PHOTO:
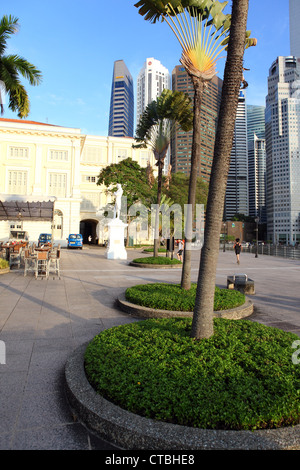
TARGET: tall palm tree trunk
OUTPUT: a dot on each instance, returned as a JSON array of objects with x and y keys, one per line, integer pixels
[
  {"x": 159, "y": 186},
  {"x": 202, "y": 325},
  {"x": 199, "y": 87}
]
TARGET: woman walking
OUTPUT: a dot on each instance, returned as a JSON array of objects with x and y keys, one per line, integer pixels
[{"x": 237, "y": 248}]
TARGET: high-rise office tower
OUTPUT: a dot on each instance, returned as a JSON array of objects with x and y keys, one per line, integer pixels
[
  {"x": 121, "y": 115},
  {"x": 236, "y": 198},
  {"x": 181, "y": 145},
  {"x": 294, "y": 28},
  {"x": 151, "y": 81},
  {"x": 283, "y": 151},
  {"x": 257, "y": 162}
]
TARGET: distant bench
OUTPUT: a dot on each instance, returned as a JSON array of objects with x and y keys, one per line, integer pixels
[{"x": 242, "y": 283}]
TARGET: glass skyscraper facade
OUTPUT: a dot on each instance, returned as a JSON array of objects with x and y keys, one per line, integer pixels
[
  {"x": 283, "y": 151},
  {"x": 121, "y": 116},
  {"x": 236, "y": 198},
  {"x": 181, "y": 144},
  {"x": 257, "y": 162},
  {"x": 294, "y": 10}
]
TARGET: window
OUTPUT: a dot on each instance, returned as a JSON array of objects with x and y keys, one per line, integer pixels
[
  {"x": 121, "y": 154},
  {"x": 92, "y": 155},
  {"x": 19, "y": 152},
  {"x": 144, "y": 158},
  {"x": 58, "y": 155},
  {"x": 57, "y": 184},
  {"x": 89, "y": 179},
  {"x": 17, "y": 182}
]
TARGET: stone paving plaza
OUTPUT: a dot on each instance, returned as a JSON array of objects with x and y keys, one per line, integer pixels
[{"x": 43, "y": 321}]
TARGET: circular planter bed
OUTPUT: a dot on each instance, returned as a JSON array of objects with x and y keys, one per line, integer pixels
[
  {"x": 138, "y": 311},
  {"x": 4, "y": 270},
  {"x": 149, "y": 385},
  {"x": 242, "y": 378},
  {"x": 156, "y": 262},
  {"x": 131, "y": 431},
  {"x": 161, "y": 300},
  {"x": 150, "y": 250}
]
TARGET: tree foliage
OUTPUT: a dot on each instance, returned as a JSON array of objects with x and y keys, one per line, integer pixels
[
  {"x": 179, "y": 189},
  {"x": 133, "y": 179},
  {"x": 156, "y": 122},
  {"x": 13, "y": 66}
]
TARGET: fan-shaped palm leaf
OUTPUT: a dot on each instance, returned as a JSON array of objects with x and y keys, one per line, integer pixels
[{"x": 12, "y": 67}]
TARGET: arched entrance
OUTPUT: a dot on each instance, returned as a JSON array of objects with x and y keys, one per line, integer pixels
[{"x": 89, "y": 227}]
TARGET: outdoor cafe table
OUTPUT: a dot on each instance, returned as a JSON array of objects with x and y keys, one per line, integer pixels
[{"x": 8, "y": 248}]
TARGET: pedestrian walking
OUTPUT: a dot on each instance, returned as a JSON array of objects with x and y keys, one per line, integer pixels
[
  {"x": 90, "y": 239},
  {"x": 237, "y": 248},
  {"x": 180, "y": 250}
]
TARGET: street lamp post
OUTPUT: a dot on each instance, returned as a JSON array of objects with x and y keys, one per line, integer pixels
[
  {"x": 256, "y": 229},
  {"x": 224, "y": 235}
]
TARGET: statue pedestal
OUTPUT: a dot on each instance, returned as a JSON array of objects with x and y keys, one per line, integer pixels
[{"x": 116, "y": 248}]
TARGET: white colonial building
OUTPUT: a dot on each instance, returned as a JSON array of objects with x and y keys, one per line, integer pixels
[{"x": 44, "y": 166}]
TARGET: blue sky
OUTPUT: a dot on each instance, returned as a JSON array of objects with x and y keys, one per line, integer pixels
[{"x": 75, "y": 44}]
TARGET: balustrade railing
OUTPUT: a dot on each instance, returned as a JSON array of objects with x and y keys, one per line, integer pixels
[{"x": 283, "y": 251}]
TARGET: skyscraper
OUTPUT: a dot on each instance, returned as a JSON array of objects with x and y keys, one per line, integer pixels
[
  {"x": 236, "y": 198},
  {"x": 294, "y": 28},
  {"x": 152, "y": 80},
  {"x": 181, "y": 145},
  {"x": 257, "y": 162},
  {"x": 283, "y": 151},
  {"x": 121, "y": 115}
]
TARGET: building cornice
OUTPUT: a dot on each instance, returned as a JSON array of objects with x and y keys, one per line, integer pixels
[{"x": 41, "y": 133}]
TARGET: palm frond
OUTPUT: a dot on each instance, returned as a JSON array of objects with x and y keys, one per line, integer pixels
[
  {"x": 157, "y": 122},
  {"x": 19, "y": 101},
  {"x": 25, "y": 68},
  {"x": 201, "y": 48},
  {"x": 12, "y": 67},
  {"x": 8, "y": 25}
]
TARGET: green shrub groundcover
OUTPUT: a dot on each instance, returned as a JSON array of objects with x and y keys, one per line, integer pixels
[
  {"x": 156, "y": 260},
  {"x": 3, "y": 264},
  {"x": 241, "y": 378},
  {"x": 172, "y": 297}
]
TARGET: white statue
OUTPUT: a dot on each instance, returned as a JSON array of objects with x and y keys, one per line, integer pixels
[{"x": 118, "y": 194}]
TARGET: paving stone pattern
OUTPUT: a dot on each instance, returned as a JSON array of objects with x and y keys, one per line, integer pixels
[{"x": 43, "y": 321}]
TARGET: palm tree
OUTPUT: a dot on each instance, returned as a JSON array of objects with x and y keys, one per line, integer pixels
[
  {"x": 154, "y": 130},
  {"x": 201, "y": 47},
  {"x": 12, "y": 67},
  {"x": 202, "y": 326},
  {"x": 202, "y": 30},
  {"x": 199, "y": 58}
]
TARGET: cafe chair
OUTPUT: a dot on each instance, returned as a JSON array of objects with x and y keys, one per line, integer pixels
[
  {"x": 29, "y": 262},
  {"x": 42, "y": 264},
  {"x": 54, "y": 259},
  {"x": 15, "y": 256}
]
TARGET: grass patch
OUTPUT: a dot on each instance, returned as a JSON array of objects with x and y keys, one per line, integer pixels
[
  {"x": 4, "y": 263},
  {"x": 241, "y": 378},
  {"x": 171, "y": 297},
  {"x": 156, "y": 260},
  {"x": 160, "y": 250}
]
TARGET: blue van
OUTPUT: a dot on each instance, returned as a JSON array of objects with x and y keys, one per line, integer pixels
[
  {"x": 75, "y": 240},
  {"x": 45, "y": 239}
]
